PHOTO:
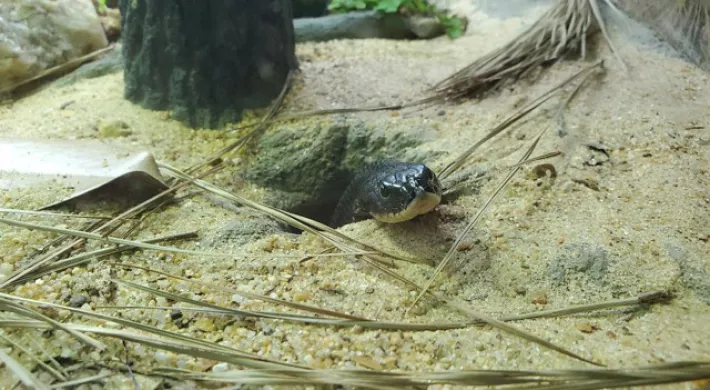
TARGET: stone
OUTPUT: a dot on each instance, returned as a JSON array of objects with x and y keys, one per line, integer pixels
[
  {"x": 425, "y": 27},
  {"x": 111, "y": 62},
  {"x": 539, "y": 297},
  {"x": 111, "y": 22},
  {"x": 40, "y": 34},
  {"x": 352, "y": 25},
  {"x": 78, "y": 300},
  {"x": 114, "y": 129},
  {"x": 307, "y": 167}
]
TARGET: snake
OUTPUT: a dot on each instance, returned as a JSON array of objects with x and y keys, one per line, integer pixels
[{"x": 388, "y": 191}]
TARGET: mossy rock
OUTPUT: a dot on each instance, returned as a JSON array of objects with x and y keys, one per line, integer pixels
[{"x": 306, "y": 167}]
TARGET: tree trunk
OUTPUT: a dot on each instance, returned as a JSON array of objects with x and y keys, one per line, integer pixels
[{"x": 206, "y": 60}]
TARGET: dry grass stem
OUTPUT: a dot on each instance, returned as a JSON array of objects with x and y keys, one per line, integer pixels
[
  {"x": 562, "y": 30},
  {"x": 517, "y": 116}
]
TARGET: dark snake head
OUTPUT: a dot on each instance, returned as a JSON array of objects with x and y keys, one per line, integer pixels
[{"x": 402, "y": 191}]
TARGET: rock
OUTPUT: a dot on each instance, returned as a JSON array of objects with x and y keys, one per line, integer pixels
[
  {"x": 575, "y": 260},
  {"x": 40, "y": 34},
  {"x": 110, "y": 18},
  {"x": 299, "y": 163},
  {"x": 109, "y": 63},
  {"x": 302, "y": 296},
  {"x": 586, "y": 327},
  {"x": 307, "y": 167},
  {"x": 538, "y": 297},
  {"x": 5, "y": 270},
  {"x": 352, "y": 25},
  {"x": 111, "y": 22},
  {"x": 114, "y": 129},
  {"x": 366, "y": 25},
  {"x": 78, "y": 300},
  {"x": 425, "y": 27}
]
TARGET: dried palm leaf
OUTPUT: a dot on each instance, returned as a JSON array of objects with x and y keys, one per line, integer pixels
[
  {"x": 553, "y": 379},
  {"x": 562, "y": 30},
  {"x": 683, "y": 24},
  {"x": 22, "y": 373}
]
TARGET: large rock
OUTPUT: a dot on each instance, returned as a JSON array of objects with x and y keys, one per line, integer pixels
[
  {"x": 307, "y": 166},
  {"x": 366, "y": 25},
  {"x": 39, "y": 34}
]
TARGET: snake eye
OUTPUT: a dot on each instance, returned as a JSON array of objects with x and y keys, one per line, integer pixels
[
  {"x": 434, "y": 185},
  {"x": 385, "y": 191}
]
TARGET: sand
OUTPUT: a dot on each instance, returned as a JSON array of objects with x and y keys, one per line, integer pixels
[{"x": 611, "y": 225}]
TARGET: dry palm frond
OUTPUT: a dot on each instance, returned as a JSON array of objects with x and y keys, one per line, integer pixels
[
  {"x": 8, "y": 303},
  {"x": 86, "y": 257},
  {"x": 520, "y": 114},
  {"x": 104, "y": 228},
  {"x": 557, "y": 379},
  {"x": 113, "y": 240},
  {"x": 335, "y": 238},
  {"x": 54, "y": 372},
  {"x": 272, "y": 373},
  {"x": 77, "y": 382},
  {"x": 458, "y": 162},
  {"x": 325, "y": 232},
  {"x": 27, "y": 272},
  {"x": 247, "y": 295},
  {"x": 52, "y": 214},
  {"x": 350, "y": 320},
  {"x": 159, "y": 338},
  {"x": 22, "y": 373},
  {"x": 562, "y": 30},
  {"x": 683, "y": 24},
  {"x": 464, "y": 234}
]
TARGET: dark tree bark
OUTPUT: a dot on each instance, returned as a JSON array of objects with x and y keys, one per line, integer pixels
[{"x": 206, "y": 60}]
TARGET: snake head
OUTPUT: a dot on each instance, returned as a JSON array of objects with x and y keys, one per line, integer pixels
[{"x": 404, "y": 193}]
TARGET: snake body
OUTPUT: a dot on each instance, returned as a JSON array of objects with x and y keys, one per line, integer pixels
[{"x": 389, "y": 191}]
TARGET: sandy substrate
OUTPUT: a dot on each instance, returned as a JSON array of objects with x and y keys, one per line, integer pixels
[{"x": 609, "y": 226}]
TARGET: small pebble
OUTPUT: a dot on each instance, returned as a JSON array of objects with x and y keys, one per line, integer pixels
[
  {"x": 220, "y": 367},
  {"x": 205, "y": 325},
  {"x": 78, "y": 300},
  {"x": 5, "y": 270},
  {"x": 301, "y": 296},
  {"x": 114, "y": 129},
  {"x": 464, "y": 246},
  {"x": 367, "y": 362},
  {"x": 586, "y": 327},
  {"x": 538, "y": 297},
  {"x": 588, "y": 182}
]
